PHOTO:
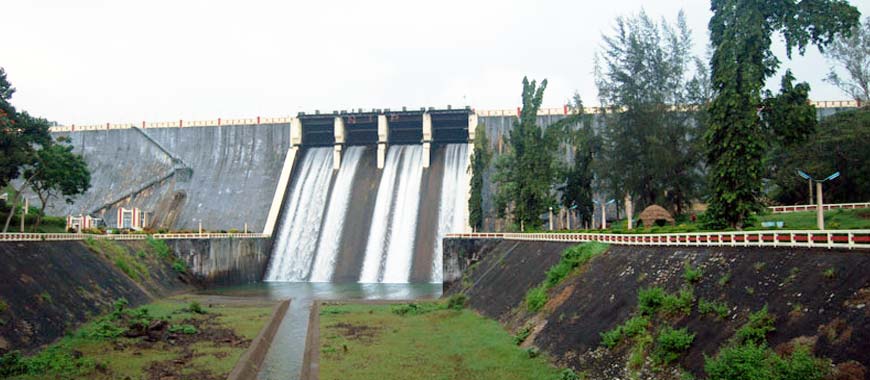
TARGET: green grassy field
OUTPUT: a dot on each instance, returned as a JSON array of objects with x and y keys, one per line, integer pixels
[
  {"x": 223, "y": 333},
  {"x": 366, "y": 341}
]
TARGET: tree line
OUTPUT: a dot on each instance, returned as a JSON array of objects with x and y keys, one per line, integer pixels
[{"x": 674, "y": 129}]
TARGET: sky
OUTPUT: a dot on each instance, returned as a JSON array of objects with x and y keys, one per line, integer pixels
[{"x": 94, "y": 61}]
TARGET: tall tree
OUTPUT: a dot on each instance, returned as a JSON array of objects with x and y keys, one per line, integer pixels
[
  {"x": 57, "y": 171},
  {"x": 526, "y": 173},
  {"x": 479, "y": 165},
  {"x": 741, "y": 33},
  {"x": 579, "y": 136},
  {"x": 19, "y": 133},
  {"x": 650, "y": 135},
  {"x": 853, "y": 55}
]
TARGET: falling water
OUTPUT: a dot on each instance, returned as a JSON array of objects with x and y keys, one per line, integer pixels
[
  {"x": 390, "y": 247},
  {"x": 333, "y": 224},
  {"x": 303, "y": 214},
  {"x": 453, "y": 206}
]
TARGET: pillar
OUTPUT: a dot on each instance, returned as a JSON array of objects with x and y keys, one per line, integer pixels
[
  {"x": 472, "y": 126},
  {"x": 339, "y": 132},
  {"x": 629, "y": 211},
  {"x": 551, "y": 218},
  {"x": 427, "y": 138},
  {"x": 295, "y": 132},
  {"x": 383, "y": 139},
  {"x": 820, "y": 212}
]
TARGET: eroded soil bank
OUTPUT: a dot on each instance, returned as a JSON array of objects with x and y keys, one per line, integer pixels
[{"x": 819, "y": 297}]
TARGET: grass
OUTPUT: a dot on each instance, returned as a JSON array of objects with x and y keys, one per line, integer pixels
[
  {"x": 105, "y": 358},
  {"x": 572, "y": 258},
  {"x": 365, "y": 341}
]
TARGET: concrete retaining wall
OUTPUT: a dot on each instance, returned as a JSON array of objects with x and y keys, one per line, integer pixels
[{"x": 224, "y": 262}]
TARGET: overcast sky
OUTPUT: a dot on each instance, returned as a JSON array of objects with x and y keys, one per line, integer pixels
[{"x": 92, "y": 61}]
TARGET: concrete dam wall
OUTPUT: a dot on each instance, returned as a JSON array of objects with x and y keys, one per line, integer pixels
[{"x": 818, "y": 297}]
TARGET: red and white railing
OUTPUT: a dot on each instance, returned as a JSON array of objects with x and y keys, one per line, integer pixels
[
  {"x": 851, "y": 239},
  {"x": 170, "y": 236},
  {"x": 832, "y": 206}
]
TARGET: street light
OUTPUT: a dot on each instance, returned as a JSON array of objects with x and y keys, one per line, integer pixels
[
  {"x": 820, "y": 214},
  {"x": 604, "y": 211}
]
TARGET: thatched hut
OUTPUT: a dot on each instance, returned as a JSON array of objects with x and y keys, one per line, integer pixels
[{"x": 655, "y": 214}]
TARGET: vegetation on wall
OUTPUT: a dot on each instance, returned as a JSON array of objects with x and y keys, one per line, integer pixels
[{"x": 479, "y": 165}]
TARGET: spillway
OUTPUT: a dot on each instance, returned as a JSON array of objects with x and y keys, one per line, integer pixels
[{"x": 362, "y": 224}]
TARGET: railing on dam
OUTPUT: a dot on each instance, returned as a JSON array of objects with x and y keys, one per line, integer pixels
[
  {"x": 170, "y": 236},
  {"x": 832, "y": 206},
  {"x": 564, "y": 110},
  {"x": 851, "y": 239}
]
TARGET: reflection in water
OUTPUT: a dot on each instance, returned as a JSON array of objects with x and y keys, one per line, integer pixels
[{"x": 284, "y": 359}]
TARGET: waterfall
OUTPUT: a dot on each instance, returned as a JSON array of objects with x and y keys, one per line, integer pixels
[
  {"x": 390, "y": 247},
  {"x": 303, "y": 213},
  {"x": 453, "y": 206},
  {"x": 333, "y": 224}
]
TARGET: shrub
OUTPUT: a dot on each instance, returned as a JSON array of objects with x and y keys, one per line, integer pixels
[
  {"x": 611, "y": 338},
  {"x": 633, "y": 327},
  {"x": 724, "y": 279},
  {"x": 184, "y": 329},
  {"x": 415, "y": 309},
  {"x": 680, "y": 303},
  {"x": 671, "y": 342},
  {"x": 748, "y": 361},
  {"x": 649, "y": 300},
  {"x": 533, "y": 352},
  {"x": 568, "y": 374},
  {"x": 573, "y": 257},
  {"x": 159, "y": 246},
  {"x": 196, "y": 308},
  {"x": 104, "y": 329},
  {"x": 719, "y": 309},
  {"x": 691, "y": 275},
  {"x": 179, "y": 266},
  {"x": 456, "y": 302},
  {"x": 44, "y": 297},
  {"x": 536, "y": 298},
  {"x": 522, "y": 335},
  {"x": 756, "y": 329},
  {"x": 3, "y": 306},
  {"x": 829, "y": 273},
  {"x": 802, "y": 365}
]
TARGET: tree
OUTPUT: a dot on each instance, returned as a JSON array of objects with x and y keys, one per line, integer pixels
[
  {"x": 479, "y": 165},
  {"x": 580, "y": 137},
  {"x": 741, "y": 33},
  {"x": 853, "y": 54},
  {"x": 838, "y": 144},
  {"x": 651, "y": 137},
  {"x": 57, "y": 171},
  {"x": 526, "y": 173},
  {"x": 18, "y": 135}
]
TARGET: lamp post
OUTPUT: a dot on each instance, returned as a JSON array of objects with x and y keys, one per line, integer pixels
[
  {"x": 820, "y": 212},
  {"x": 604, "y": 211}
]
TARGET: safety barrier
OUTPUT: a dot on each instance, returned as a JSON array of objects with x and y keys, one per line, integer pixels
[
  {"x": 170, "y": 236},
  {"x": 851, "y": 239},
  {"x": 832, "y": 206}
]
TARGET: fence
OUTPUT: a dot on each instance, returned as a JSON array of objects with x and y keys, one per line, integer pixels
[
  {"x": 851, "y": 239},
  {"x": 795, "y": 208},
  {"x": 72, "y": 237}
]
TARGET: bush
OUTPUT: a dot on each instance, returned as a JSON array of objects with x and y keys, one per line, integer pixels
[
  {"x": 568, "y": 374},
  {"x": 691, "y": 275},
  {"x": 456, "y": 302},
  {"x": 649, "y": 300},
  {"x": 750, "y": 361},
  {"x": 536, "y": 298},
  {"x": 183, "y": 329},
  {"x": 522, "y": 335},
  {"x": 415, "y": 309},
  {"x": 55, "y": 360},
  {"x": 573, "y": 257},
  {"x": 670, "y": 343},
  {"x": 104, "y": 329},
  {"x": 680, "y": 303},
  {"x": 3, "y": 306},
  {"x": 633, "y": 327},
  {"x": 179, "y": 266},
  {"x": 719, "y": 309},
  {"x": 802, "y": 365},
  {"x": 756, "y": 329},
  {"x": 159, "y": 246},
  {"x": 196, "y": 308}
]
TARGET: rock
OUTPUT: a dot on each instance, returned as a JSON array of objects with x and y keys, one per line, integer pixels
[{"x": 158, "y": 325}]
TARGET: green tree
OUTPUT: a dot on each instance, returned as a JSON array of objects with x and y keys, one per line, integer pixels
[
  {"x": 479, "y": 165},
  {"x": 838, "y": 144},
  {"x": 57, "y": 171},
  {"x": 579, "y": 135},
  {"x": 741, "y": 33},
  {"x": 526, "y": 173},
  {"x": 651, "y": 136},
  {"x": 853, "y": 55},
  {"x": 19, "y": 133}
]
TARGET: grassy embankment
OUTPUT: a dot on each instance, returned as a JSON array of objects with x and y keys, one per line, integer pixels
[
  {"x": 171, "y": 338},
  {"x": 429, "y": 340}
]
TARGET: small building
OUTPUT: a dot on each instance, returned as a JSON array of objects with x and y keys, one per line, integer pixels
[
  {"x": 81, "y": 222},
  {"x": 130, "y": 218}
]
